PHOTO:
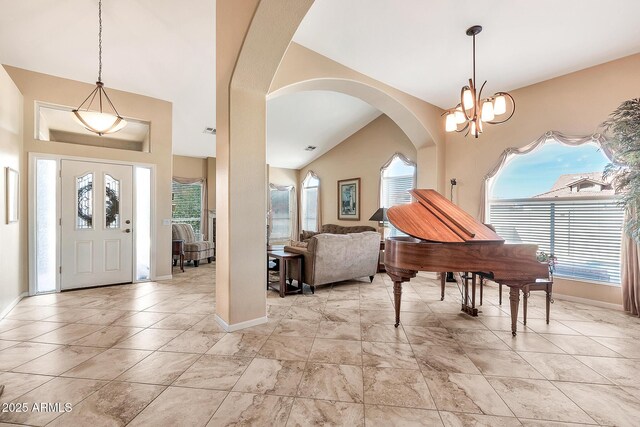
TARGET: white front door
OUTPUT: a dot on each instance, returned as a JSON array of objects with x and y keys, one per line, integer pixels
[{"x": 97, "y": 229}]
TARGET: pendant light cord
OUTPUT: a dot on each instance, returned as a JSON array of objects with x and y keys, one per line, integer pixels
[{"x": 100, "y": 40}]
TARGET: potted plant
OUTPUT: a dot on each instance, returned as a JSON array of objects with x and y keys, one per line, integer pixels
[{"x": 623, "y": 130}]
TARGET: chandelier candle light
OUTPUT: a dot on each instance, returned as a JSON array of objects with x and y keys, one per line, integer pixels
[
  {"x": 99, "y": 122},
  {"x": 473, "y": 111}
]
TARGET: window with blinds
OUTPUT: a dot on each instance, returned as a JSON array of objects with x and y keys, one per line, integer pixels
[
  {"x": 584, "y": 235},
  {"x": 186, "y": 204},
  {"x": 280, "y": 218},
  {"x": 397, "y": 177},
  {"x": 309, "y": 198}
]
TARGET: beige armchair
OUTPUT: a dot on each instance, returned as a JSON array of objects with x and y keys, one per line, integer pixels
[
  {"x": 194, "y": 249},
  {"x": 330, "y": 258}
]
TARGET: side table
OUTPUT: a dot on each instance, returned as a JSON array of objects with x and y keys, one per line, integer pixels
[
  {"x": 283, "y": 260},
  {"x": 177, "y": 250}
]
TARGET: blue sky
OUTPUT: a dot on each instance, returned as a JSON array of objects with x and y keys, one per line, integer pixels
[{"x": 535, "y": 173}]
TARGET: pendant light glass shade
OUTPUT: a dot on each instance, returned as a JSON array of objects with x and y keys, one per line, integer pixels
[
  {"x": 487, "y": 111},
  {"x": 100, "y": 123},
  {"x": 500, "y": 105},
  {"x": 467, "y": 98},
  {"x": 460, "y": 118},
  {"x": 451, "y": 124}
]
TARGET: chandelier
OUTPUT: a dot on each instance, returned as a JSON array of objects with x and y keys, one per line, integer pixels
[
  {"x": 99, "y": 122},
  {"x": 473, "y": 111}
]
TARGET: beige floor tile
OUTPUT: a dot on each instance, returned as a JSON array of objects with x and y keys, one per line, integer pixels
[
  {"x": 341, "y": 315},
  {"x": 59, "y": 361},
  {"x": 286, "y": 348},
  {"x": 239, "y": 345},
  {"x": 67, "y": 334},
  {"x": 396, "y": 387},
  {"x": 313, "y": 314},
  {"x": 562, "y": 367},
  {"x": 9, "y": 324},
  {"x": 116, "y": 404},
  {"x": 383, "y": 333},
  {"x": 620, "y": 371},
  {"x": 627, "y": 347},
  {"x": 149, "y": 339},
  {"x": 178, "y": 406},
  {"x": 384, "y": 317},
  {"x": 107, "y": 365},
  {"x": 430, "y": 336},
  {"x": 464, "y": 321},
  {"x": 270, "y": 376},
  {"x": 59, "y": 392},
  {"x": 213, "y": 372},
  {"x": 193, "y": 342},
  {"x": 245, "y": 409},
  {"x": 7, "y": 344},
  {"x": 386, "y": 416},
  {"x": 443, "y": 359},
  {"x": 528, "y": 341},
  {"x": 22, "y": 353},
  {"x": 105, "y": 317},
  {"x": 332, "y": 382},
  {"x": 388, "y": 355},
  {"x": 178, "y": 321},
  {"x": 34, "y": 313},
  {"x": 30, "y": 330},
  {"x": 108, "y": 336},
  {"x": 502, "y": 363},
  {"x": 554, "y": 327},
  {"x": 307, "y": 412},
  {"x": 16, "y": 384},
  {"x": 159, "y": 368},
  {"x": 72, "y": 315},
  {"x": 141, "y": 319},
  {"x": 581, "y": 345},
  {"x": 428, "y": 319},
  {"x": 345, "y": 352},
  {"x": 208, "y": 324},
  {"x": 608, "y": 405},
  {"x": 478, "y": 339},
  {"x": 296, "y": 328},
  {"x": 538, "y": 399},
  {"x": 451, "y": 419},
  {"x": 339, "y": 330},
  {"x": 465, "y": 393}
]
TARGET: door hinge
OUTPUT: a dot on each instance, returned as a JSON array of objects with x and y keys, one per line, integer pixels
[
  {"x": 60, "y": 269},
  {"x": 60, "y": 221}
]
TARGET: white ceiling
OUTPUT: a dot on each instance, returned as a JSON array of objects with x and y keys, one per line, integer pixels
[
  {"x": 319, "y": 118},
  {"x": 159, "y": 48},
  {"x": 420, "y": 46}
]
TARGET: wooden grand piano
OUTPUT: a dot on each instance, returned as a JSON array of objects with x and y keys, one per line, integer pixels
[{"x": 446, "y": 238}]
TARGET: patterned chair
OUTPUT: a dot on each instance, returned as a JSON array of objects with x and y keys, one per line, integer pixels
[{"x": 194, "y": 250}]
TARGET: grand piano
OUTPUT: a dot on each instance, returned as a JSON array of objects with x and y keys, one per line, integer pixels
[{"x": 445, "y": 238}]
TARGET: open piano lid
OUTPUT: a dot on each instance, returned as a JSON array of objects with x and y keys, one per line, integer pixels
[{"x": 434, "y": 218}]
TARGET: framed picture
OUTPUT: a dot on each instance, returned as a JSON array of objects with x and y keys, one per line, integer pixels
[
  {"x": 12, "y": 191},
  {"x": 349, "y": 199}
]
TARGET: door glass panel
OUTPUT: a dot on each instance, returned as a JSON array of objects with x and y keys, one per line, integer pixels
[
  {"x": 46, "y": 225},
  {"x": 143, "y": 223},
  {"x": 111, "y": 202},
  {"x": 84, "y": 214}
]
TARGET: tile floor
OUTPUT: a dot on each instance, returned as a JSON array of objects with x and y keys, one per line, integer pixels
[{"x": 152, "y": 354}]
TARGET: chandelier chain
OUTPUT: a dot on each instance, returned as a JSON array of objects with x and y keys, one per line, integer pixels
[{"x": 100, "y": 40}]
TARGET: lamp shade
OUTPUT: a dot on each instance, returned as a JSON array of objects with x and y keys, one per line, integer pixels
[{"x": 380, "y": 215}]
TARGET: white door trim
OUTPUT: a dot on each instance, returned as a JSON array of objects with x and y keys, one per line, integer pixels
[{"x": 31, "y": 200}]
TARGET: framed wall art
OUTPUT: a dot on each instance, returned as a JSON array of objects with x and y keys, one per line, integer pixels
[
  {"x": 349, "y": 199},
  {"x": 12, "y": 190}
]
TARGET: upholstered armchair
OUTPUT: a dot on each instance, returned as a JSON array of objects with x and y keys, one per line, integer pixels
[
  {"x": 194, "y": 249},
  {"x": 330, "y": 258}
]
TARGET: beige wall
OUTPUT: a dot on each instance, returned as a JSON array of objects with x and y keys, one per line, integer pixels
[
  {"x": 13, "y": 236},
  {"x": 282, "y": 176},
  {"x": 359, "y": 156},
  {"x": 574, "y": 104},
  {"x": 42, "y": 87}
]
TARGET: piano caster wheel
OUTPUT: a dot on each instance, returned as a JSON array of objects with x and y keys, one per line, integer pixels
[
  {"x": 396, "y": 325},
  {"x": 514, "y": 334}
]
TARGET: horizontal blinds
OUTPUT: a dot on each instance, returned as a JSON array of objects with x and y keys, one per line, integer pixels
[
  {"x": 585, "y": 236},
  {"x": 395, "y": 190},
  {"x": 280, "y": 215},
  {"x": 310, "y": 208},
  {"x": 187, "y": 204}
]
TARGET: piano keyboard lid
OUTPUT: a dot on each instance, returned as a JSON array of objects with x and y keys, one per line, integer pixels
[{"x": 434, "y": 218}]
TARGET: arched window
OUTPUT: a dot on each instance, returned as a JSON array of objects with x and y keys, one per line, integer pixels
[
  {"x": 310, "y": 200},
  {"x": 397, "y": 177},
  {"x": 554, "y": 195}
]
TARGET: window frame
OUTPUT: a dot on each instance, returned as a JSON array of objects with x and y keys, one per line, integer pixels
[
  {"x": 303, "y": 195},
  {"x": 414, "y": 179},
  {"x": 199, "y": 183}
]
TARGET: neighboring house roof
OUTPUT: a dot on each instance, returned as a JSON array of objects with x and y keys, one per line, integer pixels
[{"x": 564, "y": 183}]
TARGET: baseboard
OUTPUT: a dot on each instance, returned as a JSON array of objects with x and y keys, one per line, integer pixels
[
  {"x": 13, "y": 304},
  {"x": 169, "y": 277},
  {"x": 587, "y": 301},
  {"x": 241, "y": 325}
]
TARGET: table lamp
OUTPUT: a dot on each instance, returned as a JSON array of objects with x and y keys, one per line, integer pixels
[{"x": 381, "y": 216}]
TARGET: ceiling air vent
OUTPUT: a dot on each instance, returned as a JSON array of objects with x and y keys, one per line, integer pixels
[
  {"x": 210, "y": 131},
  {"x": 310, "y": 148}
]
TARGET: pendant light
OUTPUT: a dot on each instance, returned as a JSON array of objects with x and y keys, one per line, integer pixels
[
  {"x": 99, "y": 122},
  {"x": 473, "y": 111}
]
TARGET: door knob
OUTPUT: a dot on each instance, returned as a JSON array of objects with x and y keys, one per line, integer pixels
[{"x": 128, "y": 230}]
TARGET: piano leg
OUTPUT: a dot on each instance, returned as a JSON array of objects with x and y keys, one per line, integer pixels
[
  {"x": 514, "y": 299},
  {"x": 443, "y": 281},
  {"x": 397, "y": 297}
]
